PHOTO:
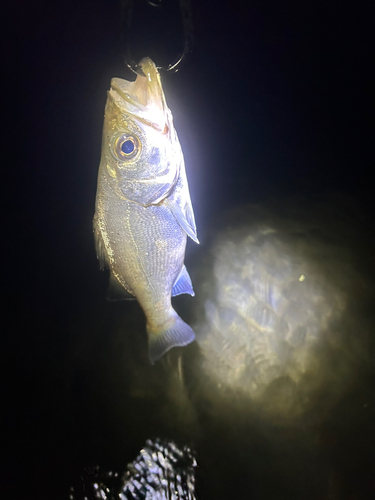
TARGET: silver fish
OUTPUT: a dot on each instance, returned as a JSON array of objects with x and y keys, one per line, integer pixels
[{"x": 143, "y": 208}]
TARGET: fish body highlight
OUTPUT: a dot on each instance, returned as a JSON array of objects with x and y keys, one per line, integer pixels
[{"x": 143, "y": 209}]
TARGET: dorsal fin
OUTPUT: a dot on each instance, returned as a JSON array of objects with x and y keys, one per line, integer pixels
[{"x": 99, "y": 246}]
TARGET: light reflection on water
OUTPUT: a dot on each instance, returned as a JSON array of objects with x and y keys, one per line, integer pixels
[
  {"x": 278, "y": 305},
  {"x": 161, "y": 471},
  {"x": 276, "y": 393}
]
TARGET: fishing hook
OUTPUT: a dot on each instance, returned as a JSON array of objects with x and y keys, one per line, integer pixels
[{"x": 185, "y": 10}]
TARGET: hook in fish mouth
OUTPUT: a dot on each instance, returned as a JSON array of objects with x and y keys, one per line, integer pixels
[
  {"x": 187, "y": 33},
  {"x": 174, "y": 67},
  {"x": 137, "y": 69},
  {"x": 144, "y": 98}
]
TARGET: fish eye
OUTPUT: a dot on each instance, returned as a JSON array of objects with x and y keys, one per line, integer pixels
[{"x": 127, "y": 146}]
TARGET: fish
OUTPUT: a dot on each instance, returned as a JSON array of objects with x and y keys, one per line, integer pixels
[{"x": 143, "y": 211}]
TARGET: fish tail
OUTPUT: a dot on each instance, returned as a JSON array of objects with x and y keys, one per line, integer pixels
[{"x": 176, "y": 333}]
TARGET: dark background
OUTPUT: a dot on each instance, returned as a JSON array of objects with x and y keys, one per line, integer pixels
[{"x": 275, "y": 99}]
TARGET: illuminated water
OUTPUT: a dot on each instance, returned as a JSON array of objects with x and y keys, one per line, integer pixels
[
  {"x": 161, "y": 471},
  {"x": 275, "y": 397}
]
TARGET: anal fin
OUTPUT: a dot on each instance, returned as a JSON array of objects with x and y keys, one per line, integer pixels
[
  {"x": 183, "y": 284},
  {"x": 116, "y": 291}
]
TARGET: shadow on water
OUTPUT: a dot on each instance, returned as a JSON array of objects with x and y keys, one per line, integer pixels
[{"x": 275, "y": 397}]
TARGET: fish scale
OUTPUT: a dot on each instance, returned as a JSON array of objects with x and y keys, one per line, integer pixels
[
  {"x": 143, "y": 208},
  {"x": 137, "y": 263}
]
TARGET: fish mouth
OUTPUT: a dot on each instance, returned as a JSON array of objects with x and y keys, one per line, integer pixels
[{"x": 144, "y": 98}]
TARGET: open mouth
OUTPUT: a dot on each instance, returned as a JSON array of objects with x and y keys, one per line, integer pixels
[{"x": 144, "y": 98}]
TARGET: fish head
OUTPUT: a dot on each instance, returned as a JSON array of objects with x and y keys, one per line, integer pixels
[{"x": 140, "y": 145}]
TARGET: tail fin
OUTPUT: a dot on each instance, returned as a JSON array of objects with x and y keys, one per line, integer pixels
[{"x": 178, "y": 334}]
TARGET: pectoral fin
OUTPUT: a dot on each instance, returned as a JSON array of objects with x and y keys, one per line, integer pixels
[
  {"x": 184, "y": 218},
  {"x": 116, "y": 291},
  {"x": 183, "y": 284}
]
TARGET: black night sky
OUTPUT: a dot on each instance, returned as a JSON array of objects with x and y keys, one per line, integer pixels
[{"x": 274, "y": 102}]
